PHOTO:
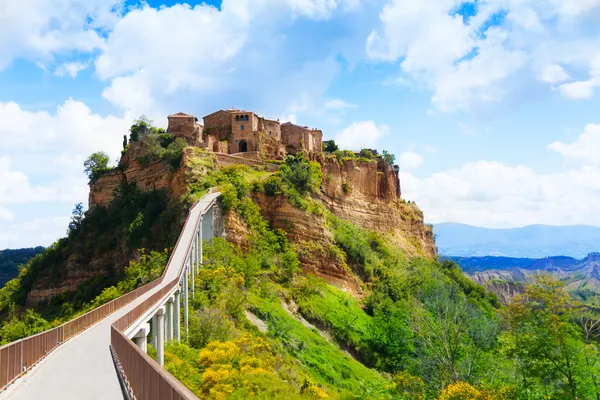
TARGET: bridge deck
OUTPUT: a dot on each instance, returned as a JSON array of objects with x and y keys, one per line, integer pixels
[{"x": 82, "y": 368}]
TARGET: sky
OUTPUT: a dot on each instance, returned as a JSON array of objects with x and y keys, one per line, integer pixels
[{"x": 491, "y": 107}]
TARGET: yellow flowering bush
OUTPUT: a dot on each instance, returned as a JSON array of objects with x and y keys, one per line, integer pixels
[{"x": 463, "y": 391}]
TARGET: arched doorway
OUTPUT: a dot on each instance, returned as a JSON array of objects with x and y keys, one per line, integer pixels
[{"x": 243, "y": 146}]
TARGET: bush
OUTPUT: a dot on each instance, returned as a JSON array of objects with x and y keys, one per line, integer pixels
[
  {"x": 330, "y": 146},
  {"x": 208, "y": 325},
  {"x": 366, "y": 153},
  {"x": 346, "y": 188},
  {"x": 302, "y": 174},
  {"x": 96, "y": 165}
]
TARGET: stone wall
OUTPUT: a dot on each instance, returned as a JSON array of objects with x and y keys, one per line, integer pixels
[
  {"x": 251, "y": 139},
  {"x": 270, "y": 128},
  {"x": 218, "y": 124},
  {"x": 291, "y": 137},
  {"x": 185, "y": 127}
]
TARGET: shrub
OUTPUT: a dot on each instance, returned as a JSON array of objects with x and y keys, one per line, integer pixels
[
  {"x": 302, "y": 174},
  {"x": 330, "y": 146},
  {"x": 346, "y": 188},
  {"x": 96, "y": 165},
  {"x": 273, "y": 185},
  {"x": 366, "y": 153}
]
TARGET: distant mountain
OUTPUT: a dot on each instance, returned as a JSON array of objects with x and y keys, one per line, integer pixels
[
  {"x": 11, "y": 259},
  {"x": 533, "y": 241},
  {"x": 507, "y": 276}
]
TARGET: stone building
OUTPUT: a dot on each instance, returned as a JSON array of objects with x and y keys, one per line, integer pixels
[
  {"x": 185, "y": 126},
  {"x": 236, "y": 131},
  {"x": 301, "y": 138}
]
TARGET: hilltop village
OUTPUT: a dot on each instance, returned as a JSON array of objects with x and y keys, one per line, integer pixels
[{"x": 237, "y": 132}]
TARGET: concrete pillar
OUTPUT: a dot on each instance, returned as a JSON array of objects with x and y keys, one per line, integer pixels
[
  {"x": 160, "y": 349},
  {"x": 153, "y": 331},
  {"x": 185, "y": 303},
  {"x": 177, "y": 317},
  {"x": 141, "y": 338},
  {"x": 192, "y": 268},
  {"x": 200, "y": 240},
  {"x": 169, "y": 333}
]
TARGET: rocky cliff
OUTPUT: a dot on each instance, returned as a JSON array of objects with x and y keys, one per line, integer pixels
[{"x": 364, "y": 192}]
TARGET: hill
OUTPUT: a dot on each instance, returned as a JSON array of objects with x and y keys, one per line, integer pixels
[
  {"x": 534, "y": 241},
  {"x": 326, "y": 283},
  {"x": 507, "y": 276},
  {"x": 10, "y": 260}
]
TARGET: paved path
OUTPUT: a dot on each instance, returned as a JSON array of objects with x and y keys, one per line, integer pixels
[{"x": 82, "y": 368}]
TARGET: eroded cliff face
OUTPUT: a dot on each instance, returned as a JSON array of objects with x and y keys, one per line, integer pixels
[
  {"x": 157, "y": 175},
  {"x": 365, "y": 193},
  {"x": 88, "y": 262},
  {"x": 368, "y": 194}
]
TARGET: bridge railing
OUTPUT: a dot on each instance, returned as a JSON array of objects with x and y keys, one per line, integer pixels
[
  {"x": 144, "y": 378},
  {"x": 18, "y": 357}
]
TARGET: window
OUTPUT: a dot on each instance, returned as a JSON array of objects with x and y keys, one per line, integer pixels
[
  {"x": 237, "y": 117},
  {"x": 245, "y": 118},
  {"x": 242, "y": 127}
]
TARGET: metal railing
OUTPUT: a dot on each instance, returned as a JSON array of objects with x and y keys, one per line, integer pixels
[
  {"x": 143, "y": 377},
  {"x": 18, "y": 357}
]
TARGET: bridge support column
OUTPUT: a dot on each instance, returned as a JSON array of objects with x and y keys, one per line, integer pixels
[
  {"x": 185, "y": 303},
  {"x": 160, "y": 348},
  {"x": 141, "y": 338},
  {"x": 177, "y": 317},
  {"x": 169, "y": 319},
  {"x": 192, "y": 268},
  {"x": 153, "y": 331},
  {"x": 200, "y": 241}
]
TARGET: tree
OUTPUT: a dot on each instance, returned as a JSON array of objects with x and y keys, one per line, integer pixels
[
  {"x": 76, "y": 218},
  {"x": 140, "y": 128},
  {"x": 542, "y": 340},
  {"x": 124, "y": 142},
  {"x": 96, "y": 165},
  {"x": 366, "y": 153},
  {"x": 330, "y": 146},
  {"x": 389, "y": 157}
]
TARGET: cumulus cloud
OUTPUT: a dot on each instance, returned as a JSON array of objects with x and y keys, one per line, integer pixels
[
  {"x": 585, "y": 150},
  {"x": 409, "y": 160},
  {"x": 362, "y": 134},
  {"x": 39, "y": 29},
  {"x": 554, "y": 74},
  {"x": 36, "y": 232},
  {"x": 477, "y": 62},
  {"x": 494, "y": 194},
  {"x": 70, "y": 68}
]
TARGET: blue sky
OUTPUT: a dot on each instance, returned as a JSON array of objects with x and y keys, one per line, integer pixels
[{"x": 491, "y": 107}]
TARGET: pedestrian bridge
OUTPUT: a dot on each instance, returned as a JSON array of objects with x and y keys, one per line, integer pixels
[{"x": 102, "y": 354}]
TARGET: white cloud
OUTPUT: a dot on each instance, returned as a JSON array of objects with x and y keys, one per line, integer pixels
[
  {"x": 554, "y": 74},
  {"x": 362, "y": 134},
  {"x": 6, "y": 215},
  {"x": 476, "y": 64},
  {"x": 72, "y": 128},
  {"x": 70, "y": 68},
  {"x": 39, "y": 29},
  {"x": 338, "y": 105},
  {"x": 36, "y": 232},
  {"x": 409, "y": 160},
  {"x": 493, "y": 194},
  {"x": 585, "y": 150},
  {"x": 200, "y": 58}
]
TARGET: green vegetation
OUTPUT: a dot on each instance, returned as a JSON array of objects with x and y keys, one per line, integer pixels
[
  {"x": 12, "y": 260},
  {"x": 134, "y": 220},
  {"x": 388, "y": 157},
  {"x": 96, "y": 165},
  {"x": 162, "y": 147},
  {"x": 330, "y": 146}
]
